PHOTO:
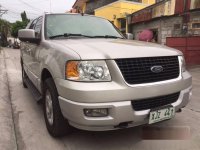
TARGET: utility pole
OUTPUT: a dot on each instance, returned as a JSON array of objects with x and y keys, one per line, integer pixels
[
  {"x": 50, "y": 5},
  {"x": 2, "y": 11}
]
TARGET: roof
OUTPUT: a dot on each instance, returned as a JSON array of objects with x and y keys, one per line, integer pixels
[
  {"x": 124, "y": 1},
  {"x": 79, "y": 3}
]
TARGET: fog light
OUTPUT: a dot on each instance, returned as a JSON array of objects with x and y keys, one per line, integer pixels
[{"x": 96, "y": 112}]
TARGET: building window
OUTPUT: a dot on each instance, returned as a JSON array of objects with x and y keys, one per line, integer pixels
[
  {"x": 157, "y": 1},
  {"x": 155, "y": 35},
  {"x": 139, "y": 1},
  {"x": 196, "y": 25},
  {"x": 177, "y": 26},
  {"x": 123, "y": 25}
]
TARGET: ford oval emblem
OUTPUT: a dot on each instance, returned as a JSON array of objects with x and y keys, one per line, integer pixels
[{"x": 157, "y": 69}]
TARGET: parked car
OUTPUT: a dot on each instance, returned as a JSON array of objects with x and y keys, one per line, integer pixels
[
  {"x": 89, "y": 76},
  {"x": 16, "y": 45}
]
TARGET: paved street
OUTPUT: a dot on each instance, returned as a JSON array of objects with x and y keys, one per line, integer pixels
[{"x": 22, "y": 125}]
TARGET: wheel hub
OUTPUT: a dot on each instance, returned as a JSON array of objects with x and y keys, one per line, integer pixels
[{"x": 49, "y": 107}]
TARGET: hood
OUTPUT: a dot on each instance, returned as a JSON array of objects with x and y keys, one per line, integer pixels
[{"x": 115, "y": 48}]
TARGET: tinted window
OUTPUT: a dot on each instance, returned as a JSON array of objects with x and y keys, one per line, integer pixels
[
  {"x": 38, "y": 27},
  {"x": 33, "y": 24}
]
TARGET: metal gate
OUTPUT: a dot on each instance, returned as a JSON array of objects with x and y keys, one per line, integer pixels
[{"x": 190, "y": 46}]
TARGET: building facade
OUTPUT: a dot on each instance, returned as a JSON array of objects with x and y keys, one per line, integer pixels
[
  {"x": 175, "y": 23},
  {"x": 113, "y": 10},
  {"x": 169, "y": 18}
]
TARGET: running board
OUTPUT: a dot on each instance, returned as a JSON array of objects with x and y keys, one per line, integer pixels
[{"x": 36, "y": 94}]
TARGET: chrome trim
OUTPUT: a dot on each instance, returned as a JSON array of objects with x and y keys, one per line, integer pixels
[
  {"x": 49, "y": 108},
  {"x": 154, "y": 83},
  {"x": 157, "y": 69}
]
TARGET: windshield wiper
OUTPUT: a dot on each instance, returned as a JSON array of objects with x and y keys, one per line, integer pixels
[
  {"x": 81, "y": 35},
  {"x": 68, "y": 35},
  {"x": 107, "y": 36}
]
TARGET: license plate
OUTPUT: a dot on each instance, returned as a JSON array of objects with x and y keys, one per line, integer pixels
[{"x": 161, "y": 114}]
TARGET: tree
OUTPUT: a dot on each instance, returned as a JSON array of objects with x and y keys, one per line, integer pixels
[
  {"x": 4, "y": 31},
  {"x": 19, "y": 25},
  {"x": 24, "y": 17},
  {"x": 16, "y": 27}
]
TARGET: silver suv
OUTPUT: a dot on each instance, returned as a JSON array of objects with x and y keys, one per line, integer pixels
[{"x": 89, "y": 76}]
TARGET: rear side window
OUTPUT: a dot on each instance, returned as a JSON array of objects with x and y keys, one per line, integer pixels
[
  {"x": 38, "y": 27},
  {"x": 33, "y": 24}
]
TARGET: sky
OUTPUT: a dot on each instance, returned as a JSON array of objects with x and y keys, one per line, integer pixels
[{"x": 33, "y": 8}]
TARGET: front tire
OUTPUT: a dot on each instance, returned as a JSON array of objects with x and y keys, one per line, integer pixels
[{"x": 56, "y": 124}]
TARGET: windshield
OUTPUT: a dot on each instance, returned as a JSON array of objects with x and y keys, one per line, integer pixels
[{"x": 90, "y": 26}]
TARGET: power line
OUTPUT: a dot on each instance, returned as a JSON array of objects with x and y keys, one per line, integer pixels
[
  {"x": 15, "y": 17},
  {"x": 15, "y": 12},
  {"x": 36, "y": 9},
  {"x": 2, "y": 11},
  {"x": 39, "y": 1}
]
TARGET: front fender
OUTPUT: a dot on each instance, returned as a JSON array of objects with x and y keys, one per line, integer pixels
[{"x": 53, "y": 57}]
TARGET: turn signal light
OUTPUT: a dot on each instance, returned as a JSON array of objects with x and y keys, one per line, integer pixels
[{"x": 72, "y": 70}]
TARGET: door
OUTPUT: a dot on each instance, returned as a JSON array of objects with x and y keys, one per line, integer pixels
[
  {"x": 26, "y": 50},
  {"x": 34, "y": 63}
]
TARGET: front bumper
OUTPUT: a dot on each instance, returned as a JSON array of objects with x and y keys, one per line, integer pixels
[
  {"x": 116, "y": 95},
  {"x": 119, "y": 113}
]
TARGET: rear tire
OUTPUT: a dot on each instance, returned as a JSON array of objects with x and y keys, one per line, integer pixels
[
  {"x": 24, "y": 75},
  {"x": 56, "y": 124}
]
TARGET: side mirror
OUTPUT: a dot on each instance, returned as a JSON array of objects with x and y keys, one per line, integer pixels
[
  {"x": 129, "y": 36},
  {"x": 28, "y": 35}
]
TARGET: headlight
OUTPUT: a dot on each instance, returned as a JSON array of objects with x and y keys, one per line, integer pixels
[
  {"x": 87, "y": 71},
  {"x": 183, "y": 65}
]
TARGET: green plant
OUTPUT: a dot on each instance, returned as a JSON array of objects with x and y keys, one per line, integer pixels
[
  {"x": 19, "y": 25},
  {"x": 4, "y": 31}
]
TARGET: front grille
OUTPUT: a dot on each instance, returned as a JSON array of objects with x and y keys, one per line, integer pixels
[
  {"x": 138, "y": 70},
  {"x": 155, "y": 102}
]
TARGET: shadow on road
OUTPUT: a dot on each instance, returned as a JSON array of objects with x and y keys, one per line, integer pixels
[{"x": 118, "y": 139}]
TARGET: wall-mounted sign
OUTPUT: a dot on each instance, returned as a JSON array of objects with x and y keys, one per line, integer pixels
[
  {"x": 195, "y": 4},
  {"x": 158, "y": 11},
  {"x": 145, "y": 15},
  {"x": 165, "y": 9}
]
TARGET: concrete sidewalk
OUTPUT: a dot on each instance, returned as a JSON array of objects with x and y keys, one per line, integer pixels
[{"x": 7, "y": 131}]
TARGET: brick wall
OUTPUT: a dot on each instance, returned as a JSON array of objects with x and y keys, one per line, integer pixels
[
  {"x": 171, "y": 27},
  {"x": 166, "y": 27}
]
